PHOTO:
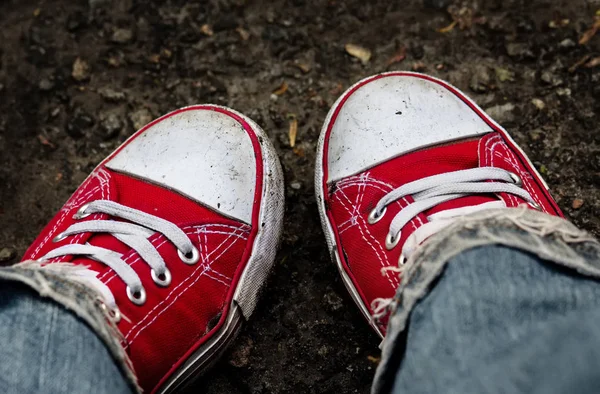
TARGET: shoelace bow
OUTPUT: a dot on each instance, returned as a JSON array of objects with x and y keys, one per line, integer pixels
[
  {"x": 135, "y": 234},
  {"x": 431, "y": 191}
]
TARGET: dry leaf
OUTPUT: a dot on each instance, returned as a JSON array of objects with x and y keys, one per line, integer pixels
[
  {"x": 593, "y": 63},
  {"x": 298, "y": 151},
  {"x": 304, "y": 67},
  {"x": 293, "y": 131},
  {"x": 555, "y": 24},
  {"x": 579, "y": 63},
  {"x": 363, "y": 54},
  {"x": 80, "y": 70},
  {"x": 44, "y": 141},
  {"x": 419, "y": 66},
  {"x": 244, "y": 34},
  {"x": 398, "y": 57},
  {"x": 207, "y": 30},
  {"x": 281, "y": 89},
  {"x": 591, "y": 32},
  {"x": 448, "y": 28},
  {"x": 154, "y": 58}
]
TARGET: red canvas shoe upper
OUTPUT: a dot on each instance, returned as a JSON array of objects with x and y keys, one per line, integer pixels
[
  {"x": 409, "y": 132},
  {"x": 178, "y": 206}
]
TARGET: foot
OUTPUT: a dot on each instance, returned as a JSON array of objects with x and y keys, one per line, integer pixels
[
  {"x": 177, "y": 231},
  {"x": 401, "y": 155}
]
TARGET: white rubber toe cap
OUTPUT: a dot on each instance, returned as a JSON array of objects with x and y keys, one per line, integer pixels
[
  {"x": 391, "y": 114},
  {"x": 201, "y": 153}
]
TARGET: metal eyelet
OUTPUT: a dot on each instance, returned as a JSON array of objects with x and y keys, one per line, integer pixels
[
  {"x": 80, "y": 214},
  {"x": 163, "y": 279},
  {"x": 535, "y": 205},
  {"x": 401, "y": 259},
  {"x": 516, "y": 179},
  {"x": 114, "y": 315},
  {"x": 138, "y": 297},
  {"x": 190, "y": 260},
  {"x": 374, "y": 217},
  {"x": 59, "y": 237},
  {"x": 391, "y": 241}
]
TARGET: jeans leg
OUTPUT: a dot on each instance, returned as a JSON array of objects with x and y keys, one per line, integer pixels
[
  {"x": 502, "y": 321},
  {"x": 46, "y": 349},
  {"x": 504, "y": 301}
]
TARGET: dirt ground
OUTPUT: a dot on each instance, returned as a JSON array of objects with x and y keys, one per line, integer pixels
[{"x": 78, "y": 77}]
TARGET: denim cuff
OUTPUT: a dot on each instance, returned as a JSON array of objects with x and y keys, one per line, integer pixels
[
  {"x": 551, "y": 238},
  {"x": 78, "y": 299}
]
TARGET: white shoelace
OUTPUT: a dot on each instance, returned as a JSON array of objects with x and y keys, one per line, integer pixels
[
  {"x": 135, "y": 234},
  {"x": 431, "y": 191}
]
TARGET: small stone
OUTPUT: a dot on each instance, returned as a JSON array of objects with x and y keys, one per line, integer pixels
[
  {"x": 111, "y": 94},
  {"x": 121, "y": 36},
  {"x": 46, "y": 85},
  {"x": 567, "y": 43},
  {"x": 504, "y": 74},
  {"x": 7, "y": 254},
  {"x": 81, "y": 70},
  {"x": 536, "y": 134},
  {"x": 551, "y": 78},
  {"x": 563, "y": 92},
  {"x": 111, "y": 124},
  {"x": 140, "y": 118},
  {"x": 296, "y": 185},
  {"x": 480, "y": 80},
  {"x": 577, "y": 203},
  {"x": 539, "y": 104},
  {"x": 502, "y": 113},
  {"x": 519, "y": 50}
]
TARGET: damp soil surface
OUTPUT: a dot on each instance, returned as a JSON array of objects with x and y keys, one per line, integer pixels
[{"x": 78, "y": 77}]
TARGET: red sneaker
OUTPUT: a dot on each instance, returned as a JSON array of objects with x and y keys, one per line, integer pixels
[
  {"x": 177, "y": 229},
  {"x": 400, "y": 156}
]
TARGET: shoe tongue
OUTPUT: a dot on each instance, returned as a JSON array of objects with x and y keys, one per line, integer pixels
[
  {"x": 149, "y": 198},
  {"x": 462, "y": 155}
]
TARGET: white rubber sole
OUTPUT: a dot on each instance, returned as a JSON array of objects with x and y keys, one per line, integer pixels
[
  {"x": 255, "y": 273},
  {"x": 319, "y": 192}
]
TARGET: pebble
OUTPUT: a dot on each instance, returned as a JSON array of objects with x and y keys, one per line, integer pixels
[
  {"x": 140, "y": 118},
  {"x": 46, "y": 85},
  {"x": 296, "y": 185},
  {"x": 551, "y": 78},
  {"x": 519, "y": 50},
  {"x": 480, "y": 80},
  {"x": 111, "y": 94},
  {"x": 502, "y": 113},
  {"x": 566, "y": 92},
  {"x": 7, "y": 254},
  {"x": 81, "y": 70},
  {"x": 121, "y": 36},
  {"x": 111, "y": 124},
  {"x": 567, "y": 43},
  {"x": 536, "y": 134},
  {"x": 539, "y": 104},
  {"x": 577, "y": 203}
]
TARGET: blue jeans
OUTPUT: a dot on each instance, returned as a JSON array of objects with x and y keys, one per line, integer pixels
[{"x": 500, "y": 302}]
